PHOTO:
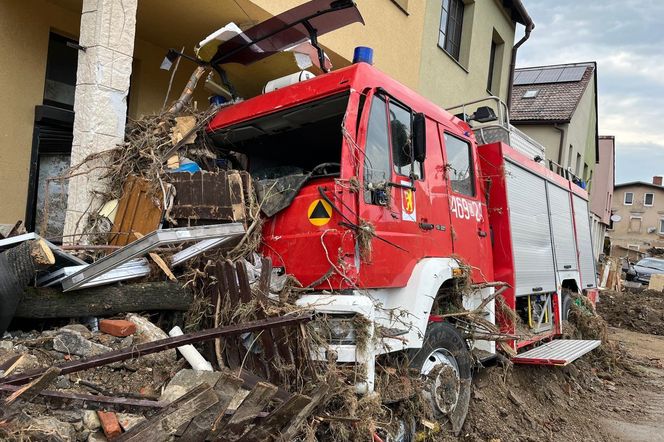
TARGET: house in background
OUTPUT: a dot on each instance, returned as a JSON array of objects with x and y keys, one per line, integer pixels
[
  {"x": 638, "y": 218},
  {"x": 557, "y": 106},
  {"x": 85, "y": 66},
  {"x": 601, "y": 193}
]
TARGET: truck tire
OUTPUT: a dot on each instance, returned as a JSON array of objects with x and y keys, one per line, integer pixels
[
  {"x": 446, "y": 364},
  {"x": 566, "y": 304}
]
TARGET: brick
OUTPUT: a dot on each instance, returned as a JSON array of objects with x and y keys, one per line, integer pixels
[
  {"x": 110, "y": 424},
  {"x": 117, "y": 327}
]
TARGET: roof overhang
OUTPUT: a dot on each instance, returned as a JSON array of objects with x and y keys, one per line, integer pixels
[{"x": 518, "y": 12}]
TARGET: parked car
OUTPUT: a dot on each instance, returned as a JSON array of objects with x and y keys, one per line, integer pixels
[{"x": 642, "y": 270}]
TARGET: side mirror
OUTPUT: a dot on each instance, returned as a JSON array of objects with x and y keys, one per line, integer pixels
[{"x": 419, "y": 137}]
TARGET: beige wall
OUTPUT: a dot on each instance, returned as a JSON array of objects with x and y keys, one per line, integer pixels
[
  {"x": 581, "y": 132},
  {"x": 448, "y": 82},
  {"x": 601, "y": 194},
  {"x": 621, "y": 234},
  {"x": 548, "y": 136},
  {"x": 24, "y": 32},
  {"x": 579, "y": 135},
  {"x": 395, "y": 36}
]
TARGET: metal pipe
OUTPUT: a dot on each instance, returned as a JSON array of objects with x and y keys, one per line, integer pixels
[{"x": 530, "y": 25}]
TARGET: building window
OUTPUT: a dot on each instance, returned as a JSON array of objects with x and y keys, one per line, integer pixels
[
  {"x": 451, "y": 19},
  {"x": 530, "y": 93},
  {"x": 635, "y": 224},
  {"x": 459, "y": 165},
  {"x": 648, "y": 199},
  {"x": 661, "y": 226},
  {"x": 629, "y": 198},
  {"x": 492, "y": 66}
]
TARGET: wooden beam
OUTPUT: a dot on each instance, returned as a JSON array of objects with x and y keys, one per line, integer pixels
[{"x": 47, "y": 303}]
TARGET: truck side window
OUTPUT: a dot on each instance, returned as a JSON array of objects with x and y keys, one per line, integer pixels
[
  {"x": 459, "y": 165},
  {"x": 377, "y": 148},
  {"x": 402, "y": 146}
]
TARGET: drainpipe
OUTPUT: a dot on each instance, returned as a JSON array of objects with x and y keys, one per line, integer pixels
[
  {"x": 560, "y": 148},
  {"x": 530, "y": 25}
]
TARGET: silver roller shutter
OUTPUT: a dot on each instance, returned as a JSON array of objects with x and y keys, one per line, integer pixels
[
  {"x": 531, "y": 234},
  {"x": 584, "y": 242},
  {"x": 562, "y": 226}
]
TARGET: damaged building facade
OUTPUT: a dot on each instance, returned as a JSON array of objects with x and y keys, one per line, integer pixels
[{"x": 86, "y": 66}]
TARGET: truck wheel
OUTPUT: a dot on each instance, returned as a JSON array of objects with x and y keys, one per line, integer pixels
[
  {"x": 446, "y": 365},
  {"x": 567, "y": 304}
]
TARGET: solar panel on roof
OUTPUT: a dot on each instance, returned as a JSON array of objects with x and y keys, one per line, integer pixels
[
  {"x": 548, "y": 76},
  {"x": 572, "y": 74},
  {"x": 526, "y": 77}
]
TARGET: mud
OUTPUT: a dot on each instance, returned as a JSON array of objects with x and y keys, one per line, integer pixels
[
  {"x": 614, "y": 393},
  {"x": 636, "y": 310}
]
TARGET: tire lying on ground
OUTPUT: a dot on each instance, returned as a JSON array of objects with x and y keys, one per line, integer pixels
[{"x": 446, "y": 364}]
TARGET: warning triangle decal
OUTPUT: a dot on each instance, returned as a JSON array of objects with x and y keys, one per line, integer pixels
[{"x": 320, "y": 212}]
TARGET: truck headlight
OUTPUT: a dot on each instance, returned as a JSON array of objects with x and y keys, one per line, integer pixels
[{"x": 336, "y": 329}]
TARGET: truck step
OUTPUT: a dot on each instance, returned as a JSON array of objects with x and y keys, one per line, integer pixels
[{"x": 557, "y": 352}]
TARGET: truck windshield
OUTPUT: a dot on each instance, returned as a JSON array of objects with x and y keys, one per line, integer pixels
[{"x": 299, "y": 140}]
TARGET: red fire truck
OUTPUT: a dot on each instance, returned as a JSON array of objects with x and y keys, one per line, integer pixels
[
  {"x": 392, "y": 210},
  {"x": 387, "y": 208}
]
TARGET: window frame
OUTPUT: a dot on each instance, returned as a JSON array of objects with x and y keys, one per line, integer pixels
[
  {"x": 450, "y": 46},
  {"x": 492, "y": 65},
  {"x": 625, "y": 203},
  {"x": 471, "y": 160},
  {"x": 652, "y": 202},
  {"x": 661, "y": 226},
  {"x": 389, "y": 101},
  {"x": 629, "y": 226}
]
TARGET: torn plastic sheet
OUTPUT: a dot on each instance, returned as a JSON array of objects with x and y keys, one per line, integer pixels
[{"x": 274, "y": 195}]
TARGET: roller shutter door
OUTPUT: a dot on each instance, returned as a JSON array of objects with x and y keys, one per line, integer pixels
[{"x": 531, "y": 234}]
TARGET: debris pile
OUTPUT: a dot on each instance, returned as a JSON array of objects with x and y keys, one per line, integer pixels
[{"x": 634, "y": 309}]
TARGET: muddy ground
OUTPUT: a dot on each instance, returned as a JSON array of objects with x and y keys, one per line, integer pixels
[{"x": 615, "y": 393}]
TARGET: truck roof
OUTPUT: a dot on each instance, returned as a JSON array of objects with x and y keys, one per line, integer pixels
[{"x": 358, "y": 76}]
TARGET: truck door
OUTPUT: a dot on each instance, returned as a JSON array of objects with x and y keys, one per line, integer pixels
[
  {"x": 395, "y": 199},
  {"x": 470, "y": 236}
]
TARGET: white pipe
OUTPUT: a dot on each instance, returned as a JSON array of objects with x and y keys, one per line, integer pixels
[{"x": 195, "y": 359}]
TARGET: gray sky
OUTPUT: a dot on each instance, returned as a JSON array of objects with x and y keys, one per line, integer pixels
[{"x": 626, "y": 38}]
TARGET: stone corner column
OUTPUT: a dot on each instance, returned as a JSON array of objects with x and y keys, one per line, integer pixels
[{"x": 108, "y": 28}]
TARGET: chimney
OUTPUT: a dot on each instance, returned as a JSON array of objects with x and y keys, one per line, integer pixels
[{"x": 657, "y": 180}]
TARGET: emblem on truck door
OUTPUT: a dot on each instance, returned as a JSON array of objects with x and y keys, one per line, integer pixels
[
  {"x": 408, "y": 203},
  {"x": 319, "y": 212}
]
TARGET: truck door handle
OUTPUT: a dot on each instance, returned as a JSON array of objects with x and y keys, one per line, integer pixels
[
  {"x": 426, "y": 226},
  {"x": 568, "y": 266}
]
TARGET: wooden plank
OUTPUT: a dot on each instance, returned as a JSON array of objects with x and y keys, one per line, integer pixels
[
  {"x": 158, "y": 260},
  {"x": 136, "y": 211},
  {"x": 166, "y": 423},
  {"x": 289, "y": 432},
  {"x": 251, "y": 380},
  {"x": 198, "y": 429},
  {"x": 236, "y": 194},
  {"x": 243, "y": 282},
  {"x": 270, "y": 427},
  {"x": 29, "y": 391},
  {"x": 231, "y": 284},
  {"x": 265, "y": 277},
  {"x": 229, "y": 298},
  {"x": 253, "y": 404}
]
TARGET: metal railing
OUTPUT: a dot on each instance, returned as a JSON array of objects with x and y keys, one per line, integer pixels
[{"x": 500, "y": 129}]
